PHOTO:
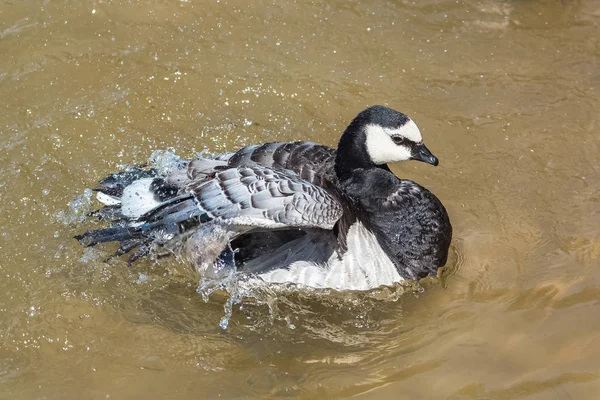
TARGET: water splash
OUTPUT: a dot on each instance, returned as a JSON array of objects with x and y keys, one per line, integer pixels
[
  {"x": 90, "y": 254},
  {"x": 290, "y": 304},
  {"x": 166, "y": 160},
  {"x": 229, "y": 284},
  {"x": 78, "y": 208}
]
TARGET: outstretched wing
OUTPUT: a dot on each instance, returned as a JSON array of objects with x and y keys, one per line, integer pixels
[{"x": 262, "y": 197}]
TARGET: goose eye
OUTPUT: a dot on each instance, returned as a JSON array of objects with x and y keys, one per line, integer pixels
[{"x": 399, "y": 140}]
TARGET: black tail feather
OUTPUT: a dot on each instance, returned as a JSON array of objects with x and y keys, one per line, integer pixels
[
  {"x": 142, "y": 251},
  {"x": 111, "y": 234},
  {"x": 175, "y": 216},
  {"x": 107, "y": 213},
  {"x": 126, "y": 246}
]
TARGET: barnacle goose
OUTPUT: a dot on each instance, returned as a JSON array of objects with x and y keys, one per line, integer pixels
[{"x": 289, "y": 212}]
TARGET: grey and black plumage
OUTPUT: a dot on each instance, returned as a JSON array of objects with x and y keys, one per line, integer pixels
[{"x": 295, "y": 212}]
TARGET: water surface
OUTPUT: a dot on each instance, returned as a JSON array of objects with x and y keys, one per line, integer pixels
[{"x": 506, "y": 95}]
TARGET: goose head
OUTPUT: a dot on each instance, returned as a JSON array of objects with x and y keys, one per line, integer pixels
[{"x": 380, "y": 135}]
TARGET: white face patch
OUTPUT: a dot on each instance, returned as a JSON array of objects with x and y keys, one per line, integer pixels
[
  {"x": 409, "y": 130},
  {"x": 381, "y": 147}
]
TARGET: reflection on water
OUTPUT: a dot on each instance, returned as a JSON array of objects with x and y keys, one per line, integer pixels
[{"x": 505, "y": 93}]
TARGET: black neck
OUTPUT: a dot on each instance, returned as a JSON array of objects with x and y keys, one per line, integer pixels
[{"x": 352, "y": 152}]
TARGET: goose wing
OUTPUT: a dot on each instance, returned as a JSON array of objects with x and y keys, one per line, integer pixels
[
  {"x": 311, "y": 161},
  {"x": 257, "y": 196}
]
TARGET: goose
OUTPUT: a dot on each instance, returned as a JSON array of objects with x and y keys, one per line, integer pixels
[{"x": 288, "y": 212}]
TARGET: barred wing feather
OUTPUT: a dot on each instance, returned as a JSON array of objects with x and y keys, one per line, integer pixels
[{"x": 262, "y": 197}]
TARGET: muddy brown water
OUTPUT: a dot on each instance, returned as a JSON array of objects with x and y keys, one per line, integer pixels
[{"x": 506, "y": 95}]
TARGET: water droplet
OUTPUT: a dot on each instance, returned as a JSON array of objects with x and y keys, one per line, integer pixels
[
  {"x": 289, "y": 323},
  {"x": 224, "y": 323},
  {"x": 141, "y": 279}
]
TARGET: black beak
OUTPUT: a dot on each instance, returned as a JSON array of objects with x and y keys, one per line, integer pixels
[{"x": 422, "y": 153}]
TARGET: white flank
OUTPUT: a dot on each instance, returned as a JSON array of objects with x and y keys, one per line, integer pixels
[
  {"x": 364, "y": 266},
  {"x": 138, "y": 199}
]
